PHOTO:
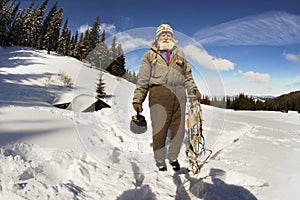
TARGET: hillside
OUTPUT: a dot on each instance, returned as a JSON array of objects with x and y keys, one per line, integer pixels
[
  {"x": 52, "y": 153},
  {"x": 286, "y": 102},
  {"x": 290, "y": 97}
]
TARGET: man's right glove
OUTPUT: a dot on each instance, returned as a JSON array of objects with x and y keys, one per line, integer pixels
[{"x": 137, "y": 107}]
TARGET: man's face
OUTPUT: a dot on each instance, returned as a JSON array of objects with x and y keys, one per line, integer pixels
[
  {"x": 166, "y": 41},
  {"x": 165, "y": 37}
]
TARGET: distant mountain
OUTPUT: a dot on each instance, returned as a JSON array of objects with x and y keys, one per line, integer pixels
[
  {"x": 262, "y": 97},
  {"x": 290, "y": 96},
  {"x": 285, "y": 102}
]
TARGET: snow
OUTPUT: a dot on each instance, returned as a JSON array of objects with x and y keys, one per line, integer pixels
[{"x": 52, "y": 153}]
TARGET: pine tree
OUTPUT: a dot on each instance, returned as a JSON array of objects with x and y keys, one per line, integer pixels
[
  {"x": 8, "y": 14},
  {"x": 113, "y": 49},
  {"x": 64, "y": 40},
  {"x": 42, "y": 39},
  {"x": 121, "y": 61},
  {"x": 68, "y": 43},
  {"x": 117, "y": 60},
  {"x": 100, "y": 90},
  {"x": 94, "y": 33},
  {"x": 52, "y": 33},
  {"x": 78, "y": 48},
  {"x": 73, "y": 44},
  {"x": 37, "y": 22},
  {"x": 103, "y": 36},
  {"x": 17, "y": 26},
  {"x": 25, "y": 34},
  {"x": 84, "y": 45},
  {"x": 98, "y": 56}
]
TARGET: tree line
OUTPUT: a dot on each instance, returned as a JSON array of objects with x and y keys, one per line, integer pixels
[
  {"x": 32, "y": 27},
  {"x": 283, "y": 103}
]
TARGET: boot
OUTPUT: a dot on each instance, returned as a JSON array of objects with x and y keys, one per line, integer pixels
[
  {"x": 175, "y": 165},
  {"x": 161, "y": 166}
]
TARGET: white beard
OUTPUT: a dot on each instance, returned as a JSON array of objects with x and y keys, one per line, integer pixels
[{"x": 166, "y": 45}]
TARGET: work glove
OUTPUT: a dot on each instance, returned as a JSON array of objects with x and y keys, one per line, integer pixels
[
  {"x": 137, "y": 107},
  {"x": 198, "y": 95}
]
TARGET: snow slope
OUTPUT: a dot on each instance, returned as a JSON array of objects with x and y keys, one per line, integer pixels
[{"x": 51, "y": 153}]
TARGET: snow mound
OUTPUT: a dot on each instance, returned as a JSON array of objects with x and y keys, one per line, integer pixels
[{"x": 51, "y": 153}]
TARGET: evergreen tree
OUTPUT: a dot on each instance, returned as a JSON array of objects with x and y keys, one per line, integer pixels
[
  {"x": 228, "y": 103},
  {"x": 37, "y": 22},
  {"x": 103, "y": 36},
  {"x": 100, "y": 90},
  {"x": 25, "y": 34},
  {"x": 42, "y": 39},
  {"x": 94, "y": 33},
  {"x": 113, "y": 50},
  {"x": 64, "y": 40},
  {"x": 117, "y": 65},
  {"x": 91, "y": 38},
  {"x": 98, "y": 56},
  {"x": 7, "y": 16},
  {"x": 68, "y": 43},
  {"x": 205, "y": 100},
  {"x": 78, "y": 48},
  {"x": 52, "y": 33},
  {"x": 259, "y": 105},
  {"x": 73, "y": 44},
  {"x": 17, "y": 27}
]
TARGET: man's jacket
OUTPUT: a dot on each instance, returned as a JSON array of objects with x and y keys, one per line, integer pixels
[{"x": 154, "y": 70}]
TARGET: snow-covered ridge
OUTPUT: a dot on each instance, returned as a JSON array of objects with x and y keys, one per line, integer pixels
[{"x": 51, "y": 153}]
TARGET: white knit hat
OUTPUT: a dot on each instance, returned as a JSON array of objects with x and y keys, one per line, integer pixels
[{"x": 164, "y": 28}]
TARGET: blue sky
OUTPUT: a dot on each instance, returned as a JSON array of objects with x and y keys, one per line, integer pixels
[{"x": 234, "y": 46}]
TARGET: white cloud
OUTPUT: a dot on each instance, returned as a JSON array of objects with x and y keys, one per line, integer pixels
[
  {"x": 270, "y": 28},
  {"x": 292, "y": 57},
  {"x": 130, "y": 43},
  {"x": 202, "y": 58},
  {"x": 109, "y": 28},
  {"x": 294, "y": 82},
  {"x": 127, "y": 22},
  {"x": 83, "y": 28},
  {"x": 255, "y": 76}
]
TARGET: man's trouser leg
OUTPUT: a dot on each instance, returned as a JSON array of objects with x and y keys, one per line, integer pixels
[
  {"x": 160, "y": 102},
  {"x": 177, "y": 124}
]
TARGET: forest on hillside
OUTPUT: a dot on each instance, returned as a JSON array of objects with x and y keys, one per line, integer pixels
[
  {"x": 283, "y": 103},
  {"x": 33, "y": 27}
]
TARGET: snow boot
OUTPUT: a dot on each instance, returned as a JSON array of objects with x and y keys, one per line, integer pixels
[
  {"x": 161, "y": 166},
  {"x": 175, "y": 165}
]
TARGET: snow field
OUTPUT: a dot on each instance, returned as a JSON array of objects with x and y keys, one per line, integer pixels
[{"x": 51, "y": 153}]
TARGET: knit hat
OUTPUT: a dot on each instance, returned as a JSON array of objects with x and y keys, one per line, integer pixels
[{"x": 164, "y": 28}]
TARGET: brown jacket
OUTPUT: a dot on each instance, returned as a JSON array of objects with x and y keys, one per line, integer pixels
[{"x": 155, "y": 71}]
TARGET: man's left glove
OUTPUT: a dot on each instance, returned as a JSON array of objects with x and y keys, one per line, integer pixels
[
  {"x": 137, "y": 107},
  {"x": 198, "y": 95}
]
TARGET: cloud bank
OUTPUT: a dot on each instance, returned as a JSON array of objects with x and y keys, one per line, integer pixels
[
  {"x": 83, "y": 28},
  {"x": 130, "y": 43},
  {"x": 292, "y": 57},
  {"x": 255, "y": 76},
  {"x": 271, "y": 28},
  {"x": 110, "y": 29},
  {"x": 295, "y": 82},
  {"x": 202, "y": 58}
]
